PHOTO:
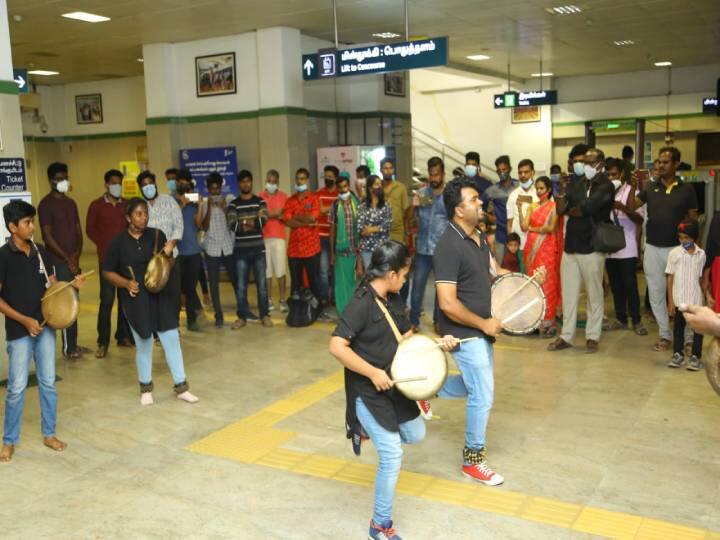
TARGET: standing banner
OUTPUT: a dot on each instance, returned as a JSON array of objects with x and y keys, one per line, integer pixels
[
  {"x": 130, "y": 170},
  {"x": 202, "y": 161}
]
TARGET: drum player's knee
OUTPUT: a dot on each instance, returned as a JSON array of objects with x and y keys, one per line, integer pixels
[{"x": 415, "y": 434}]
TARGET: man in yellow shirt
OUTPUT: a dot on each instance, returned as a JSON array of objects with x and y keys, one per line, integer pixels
[{"x": 397, "y": 198}]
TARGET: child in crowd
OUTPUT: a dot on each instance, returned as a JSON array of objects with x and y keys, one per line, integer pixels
[
  {"x": 511, "y": 260},
  {"x": 486, "y": 228},
  {"x": 684, "y": 279}
]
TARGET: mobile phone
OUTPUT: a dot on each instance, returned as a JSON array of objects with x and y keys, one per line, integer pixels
[
  {"x": 643, "y": 175},
  {"x": 193, "y": 197}
]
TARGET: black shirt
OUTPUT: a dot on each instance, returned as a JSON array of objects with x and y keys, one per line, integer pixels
[
  {"x": 595, "y": 205},
  {"x": 146, "y": 313},
  {"x": 666, "y": 208},
  {"x": 23, "y": 285},
  {"x": 363, "y": 324},
  {"x": 247, "y": 225},
  {"x": 459, "y": 260}
]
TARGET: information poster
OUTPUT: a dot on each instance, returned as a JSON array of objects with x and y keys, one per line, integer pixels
[
  {"x": 203, "y": 161},
  {"x": 12, "y": 174},
  {"x": 130, "y": 170}
]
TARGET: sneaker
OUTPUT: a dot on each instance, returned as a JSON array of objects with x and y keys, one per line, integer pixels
[
  {"x": 251, "y": 317},
  {"x": 379, "y": 532},
  {"x": 695, "y": 364},
  {"x": 271, "y": 306},
  {"x": 283, "y": 307},
  {"x": 677, "y": 360},
  {"x": 425, "y": 410},
  {"x": 267, "y": 321},
  {"x": 482, "y": 473}
]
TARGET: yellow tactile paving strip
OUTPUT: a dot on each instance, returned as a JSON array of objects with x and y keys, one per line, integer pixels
[{"x": 255, "y": 440}]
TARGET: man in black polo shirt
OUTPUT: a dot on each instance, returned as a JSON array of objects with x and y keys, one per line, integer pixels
[
  {"x": 23, "y": 279},
  {"x": 463, "y": 265},
  {"x": 669, "y": 201},
  {"x": 587, "y": 202}
]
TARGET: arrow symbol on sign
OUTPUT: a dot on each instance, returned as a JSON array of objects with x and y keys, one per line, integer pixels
[
  {"x": 308, "y": 66},
  {"x": 498, "y": 101},
  {"x": 20, "y": 82}
]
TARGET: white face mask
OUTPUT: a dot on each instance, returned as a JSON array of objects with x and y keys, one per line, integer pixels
[
  {"x": 590, "y": 172},
  {"x": 271, "y": 188},
  {"x": 115, "y": 190},
  {"x": 617, "y": 184},
  {"x": 345, "y": 196},
  {"x": 471, "y": 170},
  {"x": 579, "y": 168},
  {"x": 527, "y": 185},
  {"x": 63, "y": 186}
]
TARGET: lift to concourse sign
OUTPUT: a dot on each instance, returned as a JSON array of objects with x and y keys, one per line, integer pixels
[
  {"x": 422, "y": 53},
  {"x": 530, "y": 98}
]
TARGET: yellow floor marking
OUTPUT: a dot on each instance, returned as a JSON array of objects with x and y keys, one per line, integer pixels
[{"x": 254, "y": 439}]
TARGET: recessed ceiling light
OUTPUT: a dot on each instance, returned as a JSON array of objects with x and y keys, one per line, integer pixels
[
  {"x": 543, "y": 74},
  {"x": 386, "y": 35},
  {"x": 624, "y": 42},
  {"x": 477, "y": 57},
  {"x": 86, "y": 17},
  {"x": 569, "y": 9},
  {"x": 664, "y": 63},
  {"x": 141, "y": 60},
  {"x": 43, "y": 72}
]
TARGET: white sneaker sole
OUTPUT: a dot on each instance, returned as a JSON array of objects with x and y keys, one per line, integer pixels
[{"x": 496, "y": 480}]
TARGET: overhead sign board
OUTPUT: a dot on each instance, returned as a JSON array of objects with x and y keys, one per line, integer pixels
[
  {"x": 525, "y": 99},
  {"x": 710, "y": 105},
  {"x": 20, "y": 76},
  {"x": 422, "y": 53}
]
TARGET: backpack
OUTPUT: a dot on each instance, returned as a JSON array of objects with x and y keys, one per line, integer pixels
[{"x": 303, "y": 308}]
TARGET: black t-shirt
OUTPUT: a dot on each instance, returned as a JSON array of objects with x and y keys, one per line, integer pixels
[
  {"x": 23, "y": 285},
  {"x": 147, "y": 312},
  {"x": 595, "y": 200},
  {"x": 363, "y": 324},
  {"x": 666, "y": 208},
  {"x": 246, "y": 224},
  {"x": 459, "y": 260}
]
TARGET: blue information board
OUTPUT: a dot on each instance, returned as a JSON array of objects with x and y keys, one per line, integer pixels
[
  {"x": 20, "y": 76},
  {"x": 202, "y": 161},
  {"x": 12, "y": 174}
]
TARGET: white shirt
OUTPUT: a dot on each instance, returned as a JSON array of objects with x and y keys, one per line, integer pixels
[
  {"x": 512, "y": 211},
  {"x": 218, "y": 239},
  {"x": 687, "y": 269},
  {"x": 165, "y": 214}
]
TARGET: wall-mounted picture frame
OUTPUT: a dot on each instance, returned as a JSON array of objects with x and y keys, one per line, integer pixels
[
  {"x": 215, "y": 74},
  {"x": 89, "y": 109},
  {"x": 395, "y": 84},
  {"x": 523, "y": 115}
]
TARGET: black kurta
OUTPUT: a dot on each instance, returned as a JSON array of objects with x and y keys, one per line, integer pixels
[
  {"x": 147, "y": 312},
  {"x": 364, "y": 325}
]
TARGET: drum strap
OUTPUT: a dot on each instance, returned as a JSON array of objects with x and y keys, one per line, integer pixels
[
  {"x": 157, "y": 239},
  {"x": 42, "y": 266},
  {"x": 389, "y": 319}
]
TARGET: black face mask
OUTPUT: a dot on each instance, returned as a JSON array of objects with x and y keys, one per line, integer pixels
[
  {"x": 182, "y": 190},
  {"x": 377, "y": 191},
  {"x": 329, "y": 183}
]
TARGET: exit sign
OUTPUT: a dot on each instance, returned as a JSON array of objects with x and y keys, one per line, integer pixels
[{"x": 528, "y": 98}]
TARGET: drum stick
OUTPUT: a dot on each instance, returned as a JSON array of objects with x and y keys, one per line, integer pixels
[
  {"x": 521, "y": 287},
  {"x": 69, "y": 283},
  {"x": 411, "y": 379},
  {"x": 519, "y": 311},
  {"x": 132, "y": 273},
  {"x": 439, "y": 344}
]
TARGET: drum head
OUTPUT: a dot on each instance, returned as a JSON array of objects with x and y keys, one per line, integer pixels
[
  {"x": 712, "y": 365},
  {"x": 158, "y": 272},
  {"x": 61, "y": 309},
  {"x": 520, "y": 312},
  {"x": 416, "y": 356}
]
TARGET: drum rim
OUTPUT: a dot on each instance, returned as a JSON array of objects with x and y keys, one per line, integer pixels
[{"x": 543, "y": 301}]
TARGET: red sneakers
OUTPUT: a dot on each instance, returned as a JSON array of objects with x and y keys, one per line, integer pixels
[
  {"x": 482, "y": 473},
  {"x": 425, "y": 410}
]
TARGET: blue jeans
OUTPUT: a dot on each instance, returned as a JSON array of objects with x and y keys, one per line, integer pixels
[
  {"x": 325, "y": 281},
  {"x": 475, "y": 360},
  {"x": 421, "y": 270},
  {"x": 389, "y": 450},
  {"x": 20, "y": 352},
  {"x": 244, "y": 261},
  {"x": 170, "y": 340}
]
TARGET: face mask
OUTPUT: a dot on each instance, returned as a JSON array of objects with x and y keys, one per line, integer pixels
[
  {"x": 172, "y": 185},
  {"x": 555, "y": 177},
  {"x": 377, "y": 192},
  {"x": 301, "y": 188},
  {"x": 579, "y": 168},
  {"x": 688, "y": 245},
  {"x": 149, "y": 191},
  {"x": 391, "y": 177},
  {"x": 115, "y": 190},
  {"x": 590, "y": 172},
  {"x": 62, "y": 186},
  {"x": 345, "y": 196},
  {"x": 329, "y": 183},
  {"x": 617, "y": 184},
  {"x": 470, "y": 170},
  {"x": 544, "y": 196},
  {"x": 526, "y": 185},
  {"x": 504, "y": 176},
  {"x": 271, "y": 188}
]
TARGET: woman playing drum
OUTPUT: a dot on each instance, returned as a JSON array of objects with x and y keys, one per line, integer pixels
[
  {"x": 365, "y": 344},
  {"x": 125, "y": 265}
]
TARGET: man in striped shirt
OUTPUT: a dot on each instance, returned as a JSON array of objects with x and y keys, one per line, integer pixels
[{"x": 246, "y": 216}]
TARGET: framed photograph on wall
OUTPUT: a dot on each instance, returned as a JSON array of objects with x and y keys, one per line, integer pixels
[
  {"x": 523, "y": 115},
  {"x": 88, "y": 109},
  {"x": 215, "y": 74},
  {"x": 395, "y": 84}
]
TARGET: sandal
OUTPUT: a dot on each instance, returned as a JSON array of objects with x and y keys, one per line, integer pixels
[
  {"x": 662, "y": 345},
  {"x": 558, "y": 345},
  {"x": 549, "y": 332}
]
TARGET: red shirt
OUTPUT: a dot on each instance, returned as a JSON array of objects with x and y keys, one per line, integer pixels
[
  {"x": 274, "y": 228},
  {"x": 304, "y": 242},
  {"x": 104, "y": 222},
  {"x": 61, "y": 215},
  {"x": 327, "y": 198}
]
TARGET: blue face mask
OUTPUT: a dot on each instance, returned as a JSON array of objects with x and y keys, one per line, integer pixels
[
  {"x": 149, "y": 191},
  {"x": 688, "y": 245},
  {"x": 172, "y": 185},
  {"x": 555, "y": 177},
  {"x": 579, "y": 168},
  {"x": 301, "y": 188},
  {"x": 471, "y": 170}
]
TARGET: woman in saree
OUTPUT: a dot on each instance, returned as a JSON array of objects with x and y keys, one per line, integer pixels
[{"x": 541, "y": 249}]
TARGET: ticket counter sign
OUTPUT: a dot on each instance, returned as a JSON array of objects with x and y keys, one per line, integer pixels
[
  {"x": 12, "y": 174},
  {"x": 422, "y": 53},
  {"x": 203, "y": 161}
]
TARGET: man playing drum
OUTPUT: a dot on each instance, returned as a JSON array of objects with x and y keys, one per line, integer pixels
[{"x": 463, "y": 267}]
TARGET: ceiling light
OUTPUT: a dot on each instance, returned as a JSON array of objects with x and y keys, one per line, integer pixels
[
  {"x": 386, "y": 35},
  {"x": 570, "y": 9},
  {"x": 478, "y": 57},
  {"x": 543, "y": 74},
  {"x": 43, "y": 72},
  {"x": 664, "y": 63},
  {"x": 141, "y": 60},
  {"x": 624, "y": 42},
  {"x": 86, "y": 17}
]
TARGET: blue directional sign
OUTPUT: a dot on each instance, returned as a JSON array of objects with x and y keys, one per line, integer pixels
[
  {"x": 20, "y": 76},
  {"x": 422, "y": 53},
  {"x": 710, "y": 105},
  {"x": 12, "y": 174},
  {"x": 525, "y": 99}
]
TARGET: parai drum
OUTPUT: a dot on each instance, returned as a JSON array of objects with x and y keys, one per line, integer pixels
[
  {"x": 518, "y": 302},
  {"x": 419, "y": 357}
]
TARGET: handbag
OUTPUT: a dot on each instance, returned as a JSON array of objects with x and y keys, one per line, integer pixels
[{"x": 609, "y": 237}]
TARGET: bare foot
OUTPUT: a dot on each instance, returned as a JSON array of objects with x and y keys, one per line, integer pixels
[
  {"x": 54, "y": 443},
  {"x": 6, "y": 453}
]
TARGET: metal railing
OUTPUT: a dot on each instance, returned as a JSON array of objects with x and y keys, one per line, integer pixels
[{"x": 425, "y": 145}]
